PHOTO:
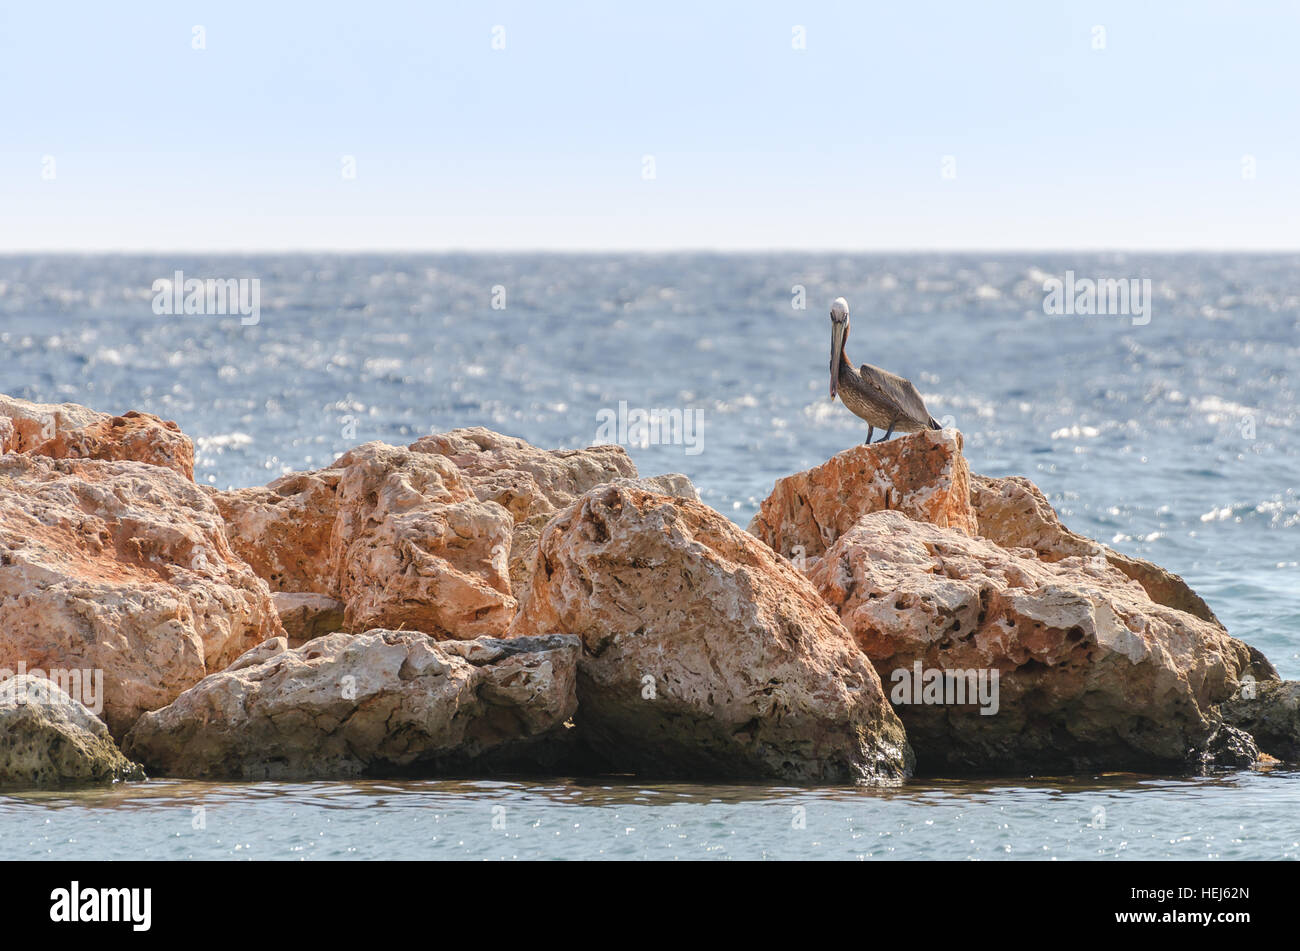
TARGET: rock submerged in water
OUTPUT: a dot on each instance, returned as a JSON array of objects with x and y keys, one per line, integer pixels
[
  {"x": 124, "y": 568},
  {"x": 704, "y": 655},
  {"x": 381, "y": 703},
  {"x": 49, "y": 739},
  {"x": 1270, "y": 712}
]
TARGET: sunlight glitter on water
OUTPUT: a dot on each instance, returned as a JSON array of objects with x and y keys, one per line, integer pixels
[
  {"x": 1247, "y": 815},
  {"x": 1137, "y": 434}
]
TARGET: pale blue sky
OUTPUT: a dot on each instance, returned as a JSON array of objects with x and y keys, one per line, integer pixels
[{"x": 158, "y": 146}]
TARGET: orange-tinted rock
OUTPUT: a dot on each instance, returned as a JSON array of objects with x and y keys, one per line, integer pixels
[
  {"x": 1092, "y": 674},
  {"x": 283, "y": 529},
  {"x": 34, "y": 424},
  {"x": 125, "y": 568},
  {"x": 531, "y": 484},
  {"x": 398, "y": 536},
  {"x": 704, "y": 653},
  {"x": 435, "y": 537},
  {"x": 1013, "y": 513},
  {"x": 412, "y": 547},
  {"x": 923, "y": 475},
  {"x": 70, "y": 431}
]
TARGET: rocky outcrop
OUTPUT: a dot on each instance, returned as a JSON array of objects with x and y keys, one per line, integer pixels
[
  {"x": 1270, "y": 712},
  {"x": 398, "y": 537},
  {"x": 531, "y": 484},
  {"x": 283, "y": 529},
  {"x": 924, "y": 476},
  {"x": 673, "y": 484},
  {"x": 1091, "y": 672},
  {"x": 124, "y": 568},
  {"x": 704, "y": 654},
  {"x": 436, "y": 537},
  {"x": 381, "y": 703},
  {"x": 644, "y": 628},
  {"x": 49, "y": 739},
  {"x": 70, "y": 431},
  {"x": 412, "y": 547},
  {"x": 1013, "y": 513}
]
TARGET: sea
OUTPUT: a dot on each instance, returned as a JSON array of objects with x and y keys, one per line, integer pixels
[{"x": 1165, "y": 425}]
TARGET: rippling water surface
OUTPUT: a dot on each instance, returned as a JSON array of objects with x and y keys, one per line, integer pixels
[
  {"x": 1241, "y": 816},
  {"x": 1176, "y": 440}
]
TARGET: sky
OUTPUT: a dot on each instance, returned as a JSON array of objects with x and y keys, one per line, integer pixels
[{"x": 249, "y": 126}]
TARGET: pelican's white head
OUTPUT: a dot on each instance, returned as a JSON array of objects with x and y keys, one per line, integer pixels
[{"x": 840, "y": 310}]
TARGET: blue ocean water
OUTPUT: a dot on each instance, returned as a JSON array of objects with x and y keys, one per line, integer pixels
[
  {"x": 1248, "y": 815},
  {"x": 1175, "y": 439}
]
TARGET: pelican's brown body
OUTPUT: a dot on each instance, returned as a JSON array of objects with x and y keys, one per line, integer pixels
[{"x": 883, "y": 399}]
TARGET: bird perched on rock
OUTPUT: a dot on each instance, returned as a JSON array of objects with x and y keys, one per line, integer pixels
[{"x": 883, "y": 399}]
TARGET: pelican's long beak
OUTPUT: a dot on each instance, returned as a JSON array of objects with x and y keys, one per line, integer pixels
[{"x": 837, "y": 348}]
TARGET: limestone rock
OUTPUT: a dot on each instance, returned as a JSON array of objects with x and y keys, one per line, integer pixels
[
  {"x": 672, "y": 484},
  {"x": 436, "y": 537},
  {"x": 1270, "y": 712},
  {"x": 397, "y": 536},
  {"x": 379, "y": 703},
  {"x": 124, "y": 568},
  {"x": 1013, "y": 513},
  {"x": 49, "y": 739},
  {"x": 704, "y": 654},
  {"x": 283, "y": 529},
  {"x": 305, "y": 616},
  {"x": 923, "y": 475},
  {"x": 1092, "y": 673},
  {"x": 531, "y": 484},
  {"x": 412, "y": 547},
  {"x": 70, "y": 431}
]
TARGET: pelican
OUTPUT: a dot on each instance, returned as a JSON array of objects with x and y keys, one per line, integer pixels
[{"x": 878, "y": 396}]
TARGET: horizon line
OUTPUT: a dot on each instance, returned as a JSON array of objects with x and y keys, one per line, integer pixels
[{"x": 16, "y": 252}]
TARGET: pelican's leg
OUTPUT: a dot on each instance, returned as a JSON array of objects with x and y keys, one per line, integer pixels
[
  {"x": 889, "y": 432},
  {"x": 870, "y": 429}
]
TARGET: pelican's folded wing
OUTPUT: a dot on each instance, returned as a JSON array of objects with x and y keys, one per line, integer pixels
[{"x": 897, "y": 391}]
